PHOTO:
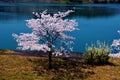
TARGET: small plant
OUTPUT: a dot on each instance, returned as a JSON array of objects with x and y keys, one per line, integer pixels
[{"x": 97, "y": 54}]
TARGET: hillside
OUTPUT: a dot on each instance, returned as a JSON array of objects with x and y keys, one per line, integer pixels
[
  {"x": 26, "y": 0},
  {"x": 17, "y": 67},
  {"x": 44, "y": 1},
  {"x": 65, "y": 1}
]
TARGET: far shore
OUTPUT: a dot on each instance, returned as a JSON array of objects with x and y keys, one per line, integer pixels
[{"x": 65, "y": 1}]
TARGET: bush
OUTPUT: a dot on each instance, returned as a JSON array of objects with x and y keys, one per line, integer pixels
[{"x": 97, "y": 54}]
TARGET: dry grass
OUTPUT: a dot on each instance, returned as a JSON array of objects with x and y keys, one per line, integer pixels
[
  {"x": 107, "y": 72},
  {"x": 16, "y": 67},
  {"x": 7, "y": 52}
]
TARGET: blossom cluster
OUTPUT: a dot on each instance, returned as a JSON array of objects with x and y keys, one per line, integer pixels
[
  {"x": 47, "y": 31},
  {"x": 116, "y": 47},
  {"x": 117, "y": 55}
]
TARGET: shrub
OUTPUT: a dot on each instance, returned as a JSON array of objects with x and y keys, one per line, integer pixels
[{"x": 97, "y": 54}]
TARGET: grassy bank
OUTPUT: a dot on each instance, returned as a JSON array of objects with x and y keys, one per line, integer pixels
[{"x": 16, "y": 67}]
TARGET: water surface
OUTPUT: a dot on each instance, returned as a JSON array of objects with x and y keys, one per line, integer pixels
[{"x": 96, "y": 22}]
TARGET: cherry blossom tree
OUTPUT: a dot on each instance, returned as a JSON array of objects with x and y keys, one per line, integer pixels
[
  {"x": 49, "y": 34},
  {"x": 116, "y": 44}
]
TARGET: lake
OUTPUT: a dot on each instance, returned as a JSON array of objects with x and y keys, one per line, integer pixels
[{"x": 95, "y": 21}]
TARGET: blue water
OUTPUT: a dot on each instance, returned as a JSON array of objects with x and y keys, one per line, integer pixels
[{"x": 96, "y": 22}]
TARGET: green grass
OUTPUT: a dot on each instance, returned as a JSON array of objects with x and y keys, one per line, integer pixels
[{"x": 16, "y": 67}]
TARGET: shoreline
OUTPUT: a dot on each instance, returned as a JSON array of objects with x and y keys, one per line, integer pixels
[{"x": 72, "y": 55}]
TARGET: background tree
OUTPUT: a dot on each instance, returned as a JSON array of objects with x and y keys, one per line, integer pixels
[
  {"x": 116, "y": 44},
  {"x": 48, "y": 34}
]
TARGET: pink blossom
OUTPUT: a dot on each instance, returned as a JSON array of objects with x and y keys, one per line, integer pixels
[
  {"x": 116, "y": 46},
  {"x": 47, "y": 30}
]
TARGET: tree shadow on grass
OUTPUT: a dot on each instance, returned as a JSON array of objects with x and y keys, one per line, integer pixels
[
  {"x": 111, "y": 64},
  {"x": 104, "y": 64},
  {"x": 66, "y": 68},
  {"x": 63, "y": 69}
]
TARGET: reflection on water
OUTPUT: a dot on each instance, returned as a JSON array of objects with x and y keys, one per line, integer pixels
[
  {"x": 91, "y": 12},
  {"x": 96, "y": 22},
  {"x": 81, "y": 10}
]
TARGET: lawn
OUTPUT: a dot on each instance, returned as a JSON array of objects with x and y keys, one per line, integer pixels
[{"x": 17, "y": 67}]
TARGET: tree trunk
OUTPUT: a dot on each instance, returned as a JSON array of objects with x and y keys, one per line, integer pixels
[{"x": 50, "y": 59}]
